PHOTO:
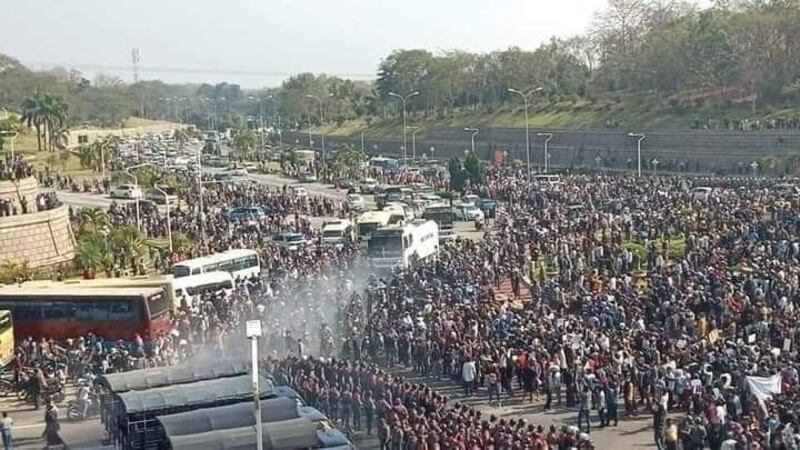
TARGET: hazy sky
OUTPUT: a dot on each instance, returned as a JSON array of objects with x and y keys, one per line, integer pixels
[{"x": 260, "y": 42}]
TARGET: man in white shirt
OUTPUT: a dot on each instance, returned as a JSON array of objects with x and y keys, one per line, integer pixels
[
  {"x": 6, "y": 423},
  {"x": 468, "y": 373}
]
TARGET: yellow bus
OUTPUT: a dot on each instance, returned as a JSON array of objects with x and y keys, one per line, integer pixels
[{"x": 6, "y": 337}]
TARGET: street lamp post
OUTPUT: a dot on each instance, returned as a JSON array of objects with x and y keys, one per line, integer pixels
[
  {"x": 638, "y": 152},
  {"x": 200, "y": 195},
  {"x": 413, "y": 142},
  {"x": 253, "y": 332},
  {"x": 754, "y": 166},
  {"x": 546, "y": 155},
  {"x": 127, "y": 172},
  {"x": 166, "y": 205},
  {"x": 527, "y": 124},
  {"x": 404, "y": 99},
  {"x": 474, "y": 132},
  {"x": 362, "y": 140},
  {"x": 322, "y": 124}
]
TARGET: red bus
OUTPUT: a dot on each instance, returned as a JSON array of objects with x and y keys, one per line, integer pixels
[{"x": 114, "y": 313}]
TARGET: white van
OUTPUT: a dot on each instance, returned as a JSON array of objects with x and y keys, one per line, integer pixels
[
  {"x": 192, "y": 286},
  {"x": 701, "y": 194},
  {"x": 336, "y": 232}
]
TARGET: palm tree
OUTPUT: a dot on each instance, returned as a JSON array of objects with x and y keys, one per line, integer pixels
[
  {"x": 48, "y": 115},
  {"x": 129, "y": 243},
  {"x": 14, "y": 271},
  {"x": 94, "y": 253},
  {"x": 181, "y": 136},
  {"x": 244, "y": 142},
  {"x": 33, "y": 115},
  {"x": 54, "y": 114},
  {"x": 93, "y": 219},
  {"x": 348, "y": 161}
]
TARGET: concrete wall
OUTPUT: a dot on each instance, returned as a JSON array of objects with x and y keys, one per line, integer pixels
[
  {"x": 695, "y": 151},
  {"x": 42, "y": 238},
  {"x": 26, "y": 189}
]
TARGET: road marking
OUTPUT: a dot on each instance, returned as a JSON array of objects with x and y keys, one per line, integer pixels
[{"x": 25, "y": 427}]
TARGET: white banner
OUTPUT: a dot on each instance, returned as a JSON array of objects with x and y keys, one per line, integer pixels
[{"x": 764, "y": 387}]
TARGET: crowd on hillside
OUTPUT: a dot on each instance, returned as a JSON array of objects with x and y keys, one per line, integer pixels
[{"x": 628, "y": 296}]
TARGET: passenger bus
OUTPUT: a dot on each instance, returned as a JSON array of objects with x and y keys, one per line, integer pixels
[
  {"x": 386, "y": 164},
  {"x": 442, "y": 214},
  {"x": 112, "y": 313},
  {"x": 164, "y": 282},
  {"x": 403, "y": 245},
  {"x": 242, "y": 263},
  {"x": 305, "y": 156},
  {"x": 372, "y": 220},
  {"x": 6, "y": 337}
]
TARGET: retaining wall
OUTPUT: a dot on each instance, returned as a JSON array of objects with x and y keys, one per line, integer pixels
[
  {"x": 40, "y": 238},
  {"x": 695, "y": 151}
]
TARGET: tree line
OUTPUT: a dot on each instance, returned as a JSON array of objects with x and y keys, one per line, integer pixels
[{"x": 667, "y": 52}]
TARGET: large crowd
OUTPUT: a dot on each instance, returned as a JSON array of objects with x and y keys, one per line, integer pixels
[{"x": 629, "y": 296}]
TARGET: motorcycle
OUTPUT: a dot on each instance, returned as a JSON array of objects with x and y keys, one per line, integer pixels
[{"x": 75, "y": 414}]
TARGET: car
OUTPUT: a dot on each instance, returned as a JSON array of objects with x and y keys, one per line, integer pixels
[
  {"x": 488, "y": 206},
  {"x": 468, "y": 211},
  {"x": 355, "y": 202},
  {"x": 223, "y": 176},
  {"x": 158, "y": 197},
  {"x": 244, "y": 212},
  {"x": 126, "y": 191},
  {"x": 236, "y": 170},
  {"x": 369, "y": 186},
  {"x": 471, "y": 199},
  {"x": 344, "y": 183},
  {"x": 147, "y": 206},
  {"x": 299, "y": 191},
  {"x": 290, "y": 240},
  {"x": 308, "y": 177}
]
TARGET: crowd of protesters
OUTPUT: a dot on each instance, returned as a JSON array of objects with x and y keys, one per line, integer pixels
[
  {"x": 15, "y": 168},
  {"x": 629, "y": 296}
]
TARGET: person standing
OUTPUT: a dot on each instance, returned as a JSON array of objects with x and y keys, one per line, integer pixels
[
  {"x": 468, "y": 372},
  {"x": 6, "y": 424},
  {"x": 585, "y": 408},
  {"x": 611, "y": 401},
  {"x": 659, "y": 423}
]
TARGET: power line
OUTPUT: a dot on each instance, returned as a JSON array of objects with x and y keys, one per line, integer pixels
[{"x": 191, "y": 70}]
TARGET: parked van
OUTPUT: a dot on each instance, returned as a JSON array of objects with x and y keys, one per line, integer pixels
[{"x": 336, "y": 232}]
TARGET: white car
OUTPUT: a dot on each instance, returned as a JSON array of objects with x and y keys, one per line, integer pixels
[
  {"x": 355, "y": 202},
  {"x": 299, "y": 191},
  {"x": 468, "y": 212},
  {"x": 369, "y": 186},
  {"x": 126, "y": 191},
  {"x": 236, "y": 171}
]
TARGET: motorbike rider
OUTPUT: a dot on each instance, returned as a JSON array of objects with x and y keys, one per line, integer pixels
[{"x": 82, "y": 398}]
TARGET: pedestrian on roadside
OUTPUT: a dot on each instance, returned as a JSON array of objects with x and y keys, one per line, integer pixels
[
  {"x": 6, "y": 424},
  {"x": 51, "y": 424}
]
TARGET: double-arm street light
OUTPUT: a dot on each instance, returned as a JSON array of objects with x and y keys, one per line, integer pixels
[
  {"x": 525, "y": 97},
  {"x": 261, "y": 101},
  {"x": 638, "y": 151},
  {"x": 127, "y": 172},
  {"x": 321, "y": 124},
  {"x": 548, "y": 136},
  {"x": 474, "y": 132},
  {"x": 404, "y": 99}
]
